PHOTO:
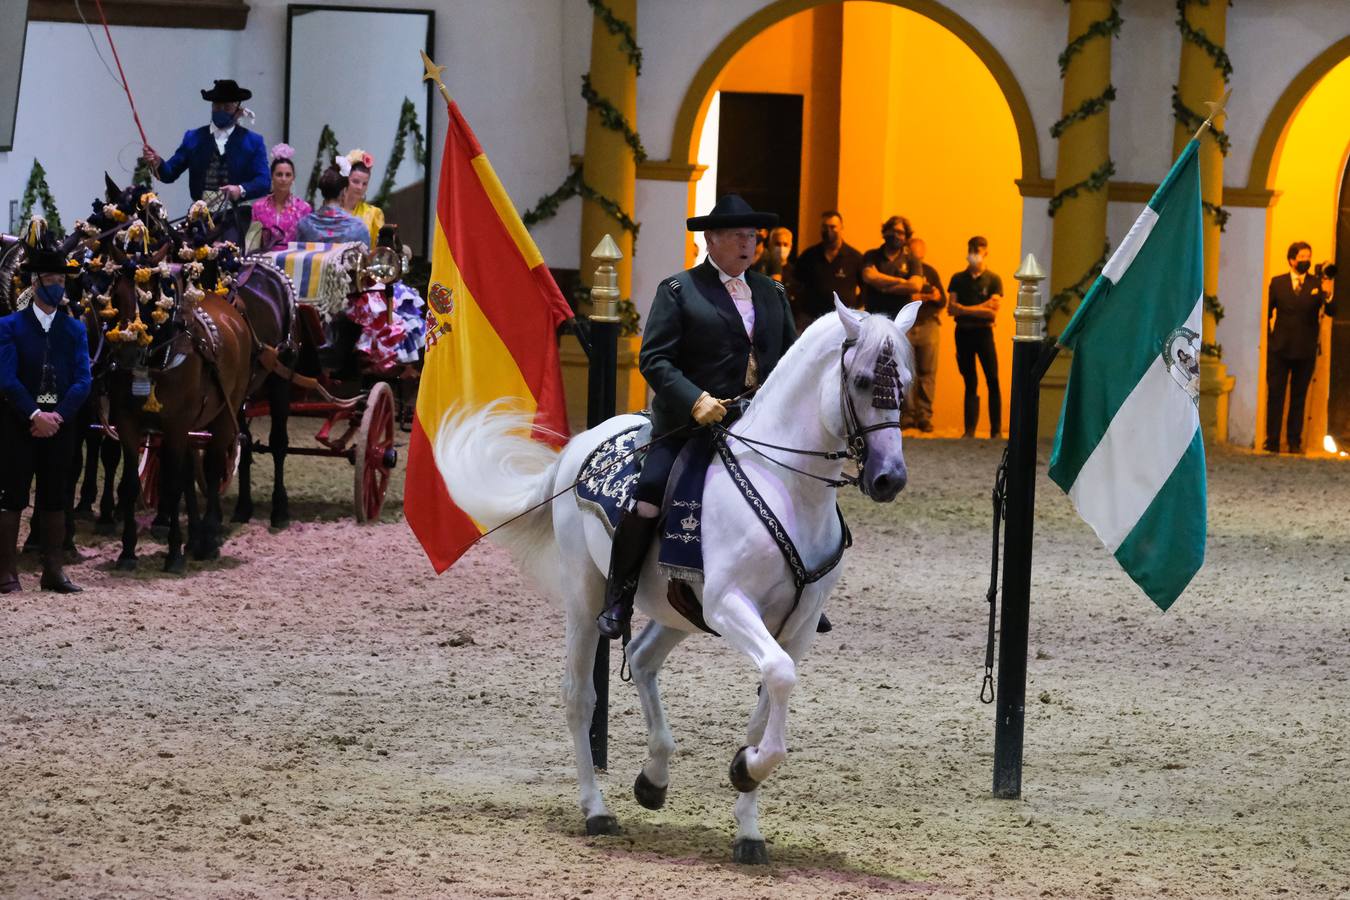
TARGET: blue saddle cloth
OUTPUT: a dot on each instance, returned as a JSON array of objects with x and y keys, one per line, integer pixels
[{"x": 609, "y": 476}]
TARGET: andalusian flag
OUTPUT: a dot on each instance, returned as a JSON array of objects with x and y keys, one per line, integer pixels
[
  {"x": 493, "y": 314},
  {"x": 1129, "y": 449}
]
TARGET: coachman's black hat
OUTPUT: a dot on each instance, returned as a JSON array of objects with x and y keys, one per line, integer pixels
[
  {"x": 226, "y": 90},
  {"x": 732, "y": 212},
  {"x": 41, "y": 261}
]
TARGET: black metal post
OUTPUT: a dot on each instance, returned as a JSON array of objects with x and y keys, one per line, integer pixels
[
  {"x": 1019, "y": 513},
  {"x": 602, "y": 388},
  {"x": 603, "y": 384}
]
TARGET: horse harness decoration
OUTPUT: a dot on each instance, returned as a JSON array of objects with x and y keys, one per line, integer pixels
[{"x": 887, "y": 394}]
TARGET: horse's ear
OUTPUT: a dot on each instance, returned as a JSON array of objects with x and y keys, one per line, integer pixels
[
  {"x": 111, "y": 191},
  {"x": 159, "y": 255},
  {"x": 852, "y": 321},
  {"x": 907, "y": 314},
  {"x": 116, "y": 252}
]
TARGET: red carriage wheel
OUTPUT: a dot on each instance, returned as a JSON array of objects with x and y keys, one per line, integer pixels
[
  {"x": 375, "y": 455},
  {"x": 147, "y": 469}
]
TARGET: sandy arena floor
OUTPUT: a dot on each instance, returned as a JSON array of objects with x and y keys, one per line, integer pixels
[{"x": 317, "y": 715}]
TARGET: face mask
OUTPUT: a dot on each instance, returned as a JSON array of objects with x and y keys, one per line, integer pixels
[
  {"x": 1302, "y": 267},
  {"x": 974, "y": 259},
  {"x": 782, "y": 254},
  {"x": 52, "y": 294},
  {"x": 222, "y": 119},
  {"x": 893, "y": 241}
]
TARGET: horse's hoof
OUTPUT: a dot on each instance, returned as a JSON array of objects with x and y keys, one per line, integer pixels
[
  {"x": 647, "y": 793},
  {"x": 175, "y": 565},
  {"x": 126, "y": 564},
  {"x": 596, "y": 825},
  {"x": 105, "y": 528},
  {"x": 740, "y": 773},
  {"x": 748, "y": 852},
  {"x": 281, "y": 524},
  {"x": 241, "y": 516}
]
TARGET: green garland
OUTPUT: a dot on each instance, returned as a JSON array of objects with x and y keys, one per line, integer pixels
[
  {"x": 328, "y": 142},
  {"x": 1214, "y": 307},
  {"x": 627, "y": 39},
  {"x": 1097, "y": 181},
  {"x": 1078, "y": 290},
  {"x": 1221, "y": 215},
  {"x": 574, "y": 185},
  {"x": 1108, "y": 27},
  {"x": 612, "y": 118},
  {"x": 407, "y": 124},
  {"x": 1200, "y": 39},
  {"x": 1213, "y": 351},
  {"x": 37, "y": 192},
  {"x": 1089, "y": 107}
]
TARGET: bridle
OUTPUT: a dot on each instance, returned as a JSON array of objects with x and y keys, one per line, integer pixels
[{"x": 886, "y": 394}]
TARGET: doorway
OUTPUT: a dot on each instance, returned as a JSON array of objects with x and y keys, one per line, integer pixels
[
  {"x": 759, "y": 153},
  {"x": 1338, "y": 394}
]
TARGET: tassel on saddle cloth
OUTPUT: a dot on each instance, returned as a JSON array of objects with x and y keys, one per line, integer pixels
[{"x": 609, "y": 491}]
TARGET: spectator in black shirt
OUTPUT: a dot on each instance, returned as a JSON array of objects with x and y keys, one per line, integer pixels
[
  {"x": 828, "y": 268},
  {"x": 890, "y": 278},
  {"x": 924, "y": 337},
  {"x": 974, "y": 298}
]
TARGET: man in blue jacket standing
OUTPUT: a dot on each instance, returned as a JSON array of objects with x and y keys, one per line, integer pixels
[
  {"x": 44, "y": 379},
  {"x": 223, "y": 156}
]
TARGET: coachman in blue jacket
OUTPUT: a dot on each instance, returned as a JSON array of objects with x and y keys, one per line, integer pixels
[
  {"x": 223, "y": 156},
  {"x": 44, "y": 377}
]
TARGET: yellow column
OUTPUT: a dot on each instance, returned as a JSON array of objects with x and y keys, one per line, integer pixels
[
  {"x": 1078, "y": 235},
  {"x": 1202, "y": 80},
  {"x": 609, "y": 165}
]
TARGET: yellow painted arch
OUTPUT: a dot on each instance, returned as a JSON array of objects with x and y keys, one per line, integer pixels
[
  {"x": 694, "y": 108},
  {"x": 1282, "y": 113}
]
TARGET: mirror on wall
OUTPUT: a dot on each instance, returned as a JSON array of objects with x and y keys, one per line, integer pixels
[{"x": 354, "y": 80}]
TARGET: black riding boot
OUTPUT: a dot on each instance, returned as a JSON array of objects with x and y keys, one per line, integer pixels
[
  {"x": 971, "y": 413},
  {"x": 9, "y": 552},
  {"x": 53, "y": 526},
  {"x": 632, "y": 538}
]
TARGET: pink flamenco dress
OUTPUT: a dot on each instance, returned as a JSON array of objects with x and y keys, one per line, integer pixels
[{"x": 280, "y": 223}]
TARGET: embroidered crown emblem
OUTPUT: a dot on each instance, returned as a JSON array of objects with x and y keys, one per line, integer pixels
[{"x": 689, "y": 522}]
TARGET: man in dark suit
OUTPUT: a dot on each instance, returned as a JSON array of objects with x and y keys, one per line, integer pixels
[
  {"x": 714, "y": 331},
  {"x": 1293, "y": 318},
  {"x": 223, "y": 156},
  {"x": 44, "y": 377}
]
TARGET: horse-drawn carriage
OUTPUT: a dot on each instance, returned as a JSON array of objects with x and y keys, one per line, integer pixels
[{"x": 191, "y": 339}]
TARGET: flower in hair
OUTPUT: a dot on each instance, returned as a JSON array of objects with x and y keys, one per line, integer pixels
[
  {"x": 362, "y": 157},
  {"x": 283, "y": 151},
  {"x": 344, "y": 166}
]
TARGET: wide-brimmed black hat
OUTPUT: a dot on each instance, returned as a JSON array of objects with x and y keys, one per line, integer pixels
[
  {"x": 226, "y": 90},
  {"x": 41, "y": 261},
  {"x": 732, "y": 212}
]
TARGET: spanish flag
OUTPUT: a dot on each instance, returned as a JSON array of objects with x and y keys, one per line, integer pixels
[{"x": 493, "y": 311}]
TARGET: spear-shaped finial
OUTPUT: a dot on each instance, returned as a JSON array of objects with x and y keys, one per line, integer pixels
[
  {"x": 432, "y": 73},
  {"x": 1216, "y": 109}
]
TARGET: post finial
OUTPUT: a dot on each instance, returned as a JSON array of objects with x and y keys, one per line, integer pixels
[
  {"x": 432, "y": 72},
  {"x": 605, "y": 283}
]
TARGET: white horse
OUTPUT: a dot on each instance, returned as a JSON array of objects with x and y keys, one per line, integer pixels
[{"x": 838, "y": 389}]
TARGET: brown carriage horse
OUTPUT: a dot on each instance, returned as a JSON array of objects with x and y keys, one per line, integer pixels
[{"x": 197, "y": 365}]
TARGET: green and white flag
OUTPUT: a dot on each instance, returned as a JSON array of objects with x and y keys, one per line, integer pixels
[{"x": 1128, "y": 450}]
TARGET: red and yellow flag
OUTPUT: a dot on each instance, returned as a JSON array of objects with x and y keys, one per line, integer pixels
[{"x": 492, "y": 314}]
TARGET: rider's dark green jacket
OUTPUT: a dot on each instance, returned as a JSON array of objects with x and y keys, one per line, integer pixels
[{"x": 695, "y": 341}]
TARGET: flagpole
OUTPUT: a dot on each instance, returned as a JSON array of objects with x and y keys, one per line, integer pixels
[
  {"x": 1029, "y": 350},
  {"x": 1216, "y": 109},
  {"x": 432, "y": 73}
]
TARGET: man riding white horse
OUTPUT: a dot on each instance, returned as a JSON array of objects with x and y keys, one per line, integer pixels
[{"x": 714, "y": 332}]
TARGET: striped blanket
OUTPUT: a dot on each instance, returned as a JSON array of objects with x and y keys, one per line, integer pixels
[{"x": 320, "y": 276}]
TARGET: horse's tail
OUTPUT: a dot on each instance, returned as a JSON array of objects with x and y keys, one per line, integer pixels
[{"x": 494, "y": 472}]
